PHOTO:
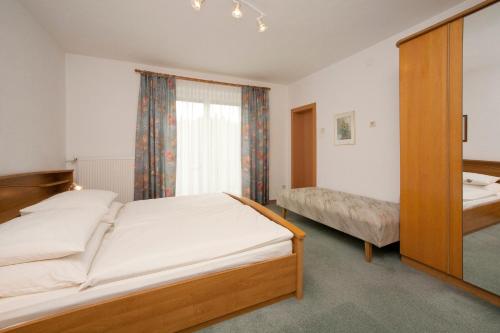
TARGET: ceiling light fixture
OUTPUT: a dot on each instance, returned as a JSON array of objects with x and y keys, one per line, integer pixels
[
  {"x": 261, "y": 24},
  {"x": 237, "y": 10},
  {"x": 196, "y": 4},
  {"x": 237, "y": 13}
]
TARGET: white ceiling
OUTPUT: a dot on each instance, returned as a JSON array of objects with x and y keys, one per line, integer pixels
[{"x": 303, "y": 37}]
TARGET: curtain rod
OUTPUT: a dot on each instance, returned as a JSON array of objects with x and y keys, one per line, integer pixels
[{"x": 198, "y": 80}]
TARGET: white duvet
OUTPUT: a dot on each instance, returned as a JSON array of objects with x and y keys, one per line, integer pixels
[
  {"x": 160, "y": 234},
  {"x": 474, "y": 192}
]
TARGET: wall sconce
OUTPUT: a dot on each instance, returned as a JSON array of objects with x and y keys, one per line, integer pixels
[{"x": 75, "y": 187}]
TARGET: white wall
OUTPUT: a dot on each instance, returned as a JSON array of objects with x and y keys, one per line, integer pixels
[
  {"x": 481, "y": 95},
  {"x": 482, "y": 105},
  {"x": 31, "y": 94},
  {"x": 101, "y": 104},
  {"x": 366, "y": 82}
]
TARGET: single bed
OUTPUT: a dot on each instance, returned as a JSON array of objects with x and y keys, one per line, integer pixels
[
  {"x": 217, "y": 280},
  {"x": 485, "y": 212},
  {"x": 374, "y": 221}
]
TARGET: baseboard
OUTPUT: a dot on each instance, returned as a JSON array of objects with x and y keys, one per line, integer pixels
[{"x": 476, "y": 291}]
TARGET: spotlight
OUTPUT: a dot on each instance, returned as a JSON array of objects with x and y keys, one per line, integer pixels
[
  {"x": 261, "y": 24},
  {"x": 237, "y": 10},
  {"x": 237, "y": 13},
  {"x": 196, "y": 4}
]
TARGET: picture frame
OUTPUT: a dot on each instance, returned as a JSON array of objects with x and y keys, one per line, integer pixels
[{"x": 345, "y": 128}]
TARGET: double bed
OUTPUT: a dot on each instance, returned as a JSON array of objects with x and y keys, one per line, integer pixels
[
  {"x": 483, "y": 212},
  {"x": 225, "y": 255}
]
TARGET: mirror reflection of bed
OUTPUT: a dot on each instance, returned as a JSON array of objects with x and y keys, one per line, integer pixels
[
  {"x": 481, "y": 225},
  {"x": 481, "y": 150}
]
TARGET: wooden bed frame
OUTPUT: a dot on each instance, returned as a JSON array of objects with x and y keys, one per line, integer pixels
[
  {"x": 186, "y": 305},
  {"x": 483, "y": 216}
]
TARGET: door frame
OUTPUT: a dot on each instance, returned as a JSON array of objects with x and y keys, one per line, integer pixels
[{"x": 305, "y": 108}]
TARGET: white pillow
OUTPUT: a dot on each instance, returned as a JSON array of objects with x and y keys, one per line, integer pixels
[
  {"x": 110, "y": 216},
  {"x": 47, "y": 235},
  {"x": 73, "y": 199},
  {"x": 45, "y": 275},
  {"x": 478, "y": 179},
  {"x": 473, "y": 192}
]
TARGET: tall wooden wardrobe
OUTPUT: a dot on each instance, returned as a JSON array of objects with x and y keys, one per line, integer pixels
[{"x": 431, "y": 151}]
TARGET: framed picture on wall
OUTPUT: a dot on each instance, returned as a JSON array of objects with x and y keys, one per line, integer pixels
[{"x": 345, "y": 129}]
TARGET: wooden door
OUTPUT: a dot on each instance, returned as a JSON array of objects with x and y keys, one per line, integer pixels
[
  {"x": 304, "y": 146},
  {"x": 425, "y": 162}
]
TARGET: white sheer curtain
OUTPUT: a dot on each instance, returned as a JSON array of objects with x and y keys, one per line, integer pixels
[{"x": 208, "y": 138}]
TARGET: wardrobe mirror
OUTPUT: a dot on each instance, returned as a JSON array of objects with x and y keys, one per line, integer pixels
[{"x": 481, "y": 149}]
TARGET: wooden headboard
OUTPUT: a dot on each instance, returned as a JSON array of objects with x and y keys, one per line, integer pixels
[
  {"x": 22, "y": 190},
  {"x": 491, "y": 168}
]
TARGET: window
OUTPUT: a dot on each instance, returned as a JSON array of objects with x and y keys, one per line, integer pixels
[{"x": 208, "y": 138}]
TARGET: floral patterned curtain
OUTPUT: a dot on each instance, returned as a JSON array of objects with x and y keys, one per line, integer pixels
[
  {"x": 255, "y": 143},
  {"x": 156, "y": 135}
]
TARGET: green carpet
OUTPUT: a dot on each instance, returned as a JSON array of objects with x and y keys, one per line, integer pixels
[
  {"x": 482, "y": 258},
  {"x": 343, "y": 293}
]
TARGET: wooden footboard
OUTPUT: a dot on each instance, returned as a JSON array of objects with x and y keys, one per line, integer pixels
[
  {"x": 185, "y": 305},
  {"x": 189, "y": 304},
  {"x": 480, "y": 217}
]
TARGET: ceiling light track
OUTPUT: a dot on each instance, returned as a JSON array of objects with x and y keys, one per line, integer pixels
[{"x": 237, "y": 12}]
